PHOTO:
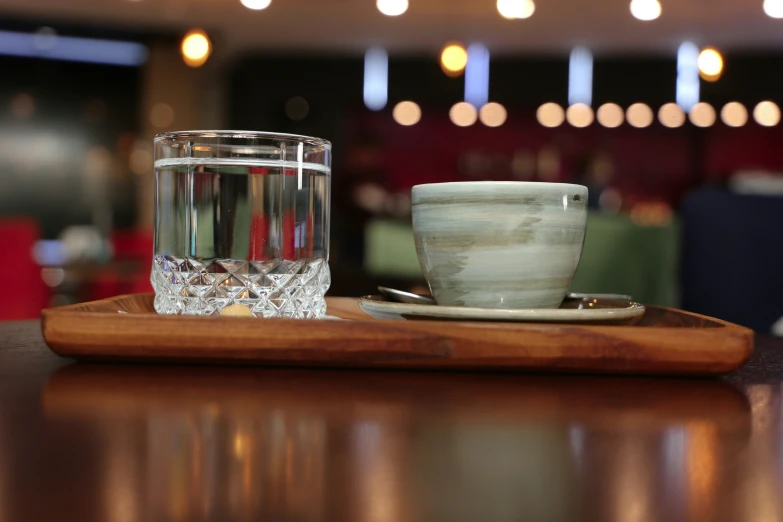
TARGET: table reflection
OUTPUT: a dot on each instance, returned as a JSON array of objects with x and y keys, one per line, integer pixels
[{"x": 191, "y": 443}]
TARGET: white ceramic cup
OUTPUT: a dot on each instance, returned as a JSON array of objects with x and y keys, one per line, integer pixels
[{"x": 499, "y": 244}]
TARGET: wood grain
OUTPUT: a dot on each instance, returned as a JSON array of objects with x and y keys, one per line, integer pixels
[{"x": 666, "y": 341}]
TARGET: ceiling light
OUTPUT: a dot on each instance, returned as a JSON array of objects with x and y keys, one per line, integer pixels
[
  {"x": 376, "y": 79},
  {"x": 773, "y": 8},
  {"x": 671, "y": 115},
  {"x": 392, "y": 7},
  {"x": 514, "y": 9},
  {"x": 493, "y": 114},
  {"x": 580, "y": 76},
  {"x": 645, "y": 10},
  {"x": 734, "y": 114},
  {"x": 453, "y": 59},
  {"x": 256, "y": 5},
  {"x": 688, "y": 84},
  {"x": 196, "y": 48},
  {"x": 48, "y": 46},
  {"x": 580, "y": 115},
  {"x": 463, "y": 114},
  {"x": 710, "y": 64},
  {"x": 610, "y": 115},
  {"x": 406, "y": 113},
  {"x": 477, "y": 75},
  {"x": 639, "y": 115},
  {"x": 702, "y": 115},
  {"x": 550, "y": 115},
  {"x": 767, "y": 113}
]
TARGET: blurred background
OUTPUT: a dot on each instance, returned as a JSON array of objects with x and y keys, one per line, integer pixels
[{"x": 668, "y": 111}]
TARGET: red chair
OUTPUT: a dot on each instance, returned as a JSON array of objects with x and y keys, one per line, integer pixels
[
  {"x": 130, "y": 270},
  {"x": 136, "y": 245},
  {"x": 24, "y": 293}
]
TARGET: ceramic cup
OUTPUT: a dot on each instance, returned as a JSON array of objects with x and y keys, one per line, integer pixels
[{"x": 499, "y": 244}]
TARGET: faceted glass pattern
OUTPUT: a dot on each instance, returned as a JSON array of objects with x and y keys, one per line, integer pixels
[
  {"x": 241, "y": 221},
  {"x": 273, "y": 288}
]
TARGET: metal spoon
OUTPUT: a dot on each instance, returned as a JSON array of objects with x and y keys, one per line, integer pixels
[
  {"x": 616, "y": 297},
  {"x": 401, "y": 296}
]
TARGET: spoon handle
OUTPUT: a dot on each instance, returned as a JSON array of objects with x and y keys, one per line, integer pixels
[{"x": 620, "y": 297}]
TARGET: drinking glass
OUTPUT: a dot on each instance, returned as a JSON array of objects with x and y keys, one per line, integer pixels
[{"x": 241, "y": 218}]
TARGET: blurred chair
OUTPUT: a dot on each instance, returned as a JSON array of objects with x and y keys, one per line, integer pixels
[
  {"x": 134, "y": 245},
  {"x": 623, "y": 257},
  {"x": 732, "y": 265},
  {"x": 24, "y": 292},
  {"x": 390, "y": 250},
  {"x": 129, "y": 271}
]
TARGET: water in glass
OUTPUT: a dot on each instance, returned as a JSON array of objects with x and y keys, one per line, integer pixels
[{"x": 241, "y": 231}]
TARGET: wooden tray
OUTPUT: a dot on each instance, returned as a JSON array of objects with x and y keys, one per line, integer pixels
[{"x": 665, "y": 341}]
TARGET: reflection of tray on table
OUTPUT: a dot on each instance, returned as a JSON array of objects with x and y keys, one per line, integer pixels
[{"x": 665, "y": 341}]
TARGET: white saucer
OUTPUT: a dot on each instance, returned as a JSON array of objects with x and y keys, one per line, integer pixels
[{"x": 582, "y": 311}]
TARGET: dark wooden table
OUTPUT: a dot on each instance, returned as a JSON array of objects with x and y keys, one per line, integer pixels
[{"x": 127, "y": 443}]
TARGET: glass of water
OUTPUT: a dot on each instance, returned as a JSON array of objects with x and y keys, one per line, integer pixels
[{"x": 241, "y": 221}]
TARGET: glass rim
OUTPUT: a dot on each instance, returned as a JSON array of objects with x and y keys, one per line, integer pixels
[
  {"x": 311, "y": 140},
  {"x": 487, "y": 183}
]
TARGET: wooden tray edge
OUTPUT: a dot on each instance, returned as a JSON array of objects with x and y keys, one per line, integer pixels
[{"x": 404, "y": 344}]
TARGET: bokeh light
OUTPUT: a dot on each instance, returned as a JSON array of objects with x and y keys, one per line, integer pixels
[
  {"x": 493, "y": 114},
  {"x": 196, "y": 48},
  {"x": 52, "y": 277},
  {"x": 610, "y": 200},
  {"x": 97, "y": 161},
  {"x": 406, "y": 113},
  {"x": 392, "y": 7},
  {"x": 610, "y": 115},
  {"x": 140, "y": 161},
  {"x": 376, "y": 78},
  {"x": 256, "y": 5},
  {"x": 639, "y": 115},
  {"x": 463, "y": 114},
  {"x": 45, "y": 38},
  {"x": 734, "y": 114},
  {"x": 453, "y": 59},
  {"x": 515, "y": 9},
  {"x": 671, "y": 115},
  {"x": 703, "y": 115},
  {"x": 297, "y": 108},
  {"x": 645, "y": 10},
  {"x": 550, "y": 115},
  {"x": 580, "y": 115},
  {"x": 710, "y": 64},
  {"x": 651, "y": 214},
  {"x": 767, "y": 114},
  {"x": 161, "y": 115},
  {"x": 773, "y": 8},
  {"x": 22, "y": 106}
]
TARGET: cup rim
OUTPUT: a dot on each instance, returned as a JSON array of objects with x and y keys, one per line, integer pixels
[
  {"x": 184, "y": 134},
  {"x": 498, "y": 183}
]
